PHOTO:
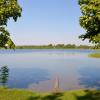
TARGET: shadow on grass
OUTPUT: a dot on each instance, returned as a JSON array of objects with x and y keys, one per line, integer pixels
[
  {"x": 90, "y": 95},
  {"x": 34, "y": 98},
  {"x": 53, "y": 96}
]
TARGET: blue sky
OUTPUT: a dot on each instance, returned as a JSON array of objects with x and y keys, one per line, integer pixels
[{"x": 47, "y": 21}]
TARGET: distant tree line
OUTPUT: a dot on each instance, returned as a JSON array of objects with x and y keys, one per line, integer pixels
[{"x": 58, "y": 46}]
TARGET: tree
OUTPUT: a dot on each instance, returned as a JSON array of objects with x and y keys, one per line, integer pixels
[
  {"x": 90, "y": 20},
  {"x": 60, "y": 45},
  {"x": 96, "y": 39},
  {"x": 50, "y": 45},
  {"x": 5, "y": 40},
  {"x": 4, "y": 74},
  {"x": 8, "y": 9}
]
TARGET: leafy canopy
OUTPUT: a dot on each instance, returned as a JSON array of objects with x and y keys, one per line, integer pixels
[
  {"x": 8, "y": 9},
  {"x": 90, "y": 19}
]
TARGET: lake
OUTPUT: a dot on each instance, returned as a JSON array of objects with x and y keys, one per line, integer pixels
[{"x": 38, "y": 69}]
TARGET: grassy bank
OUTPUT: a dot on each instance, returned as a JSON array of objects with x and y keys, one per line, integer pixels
[
  {"x": 15, "y": 94},
  {"x": 95, "y": 55}
]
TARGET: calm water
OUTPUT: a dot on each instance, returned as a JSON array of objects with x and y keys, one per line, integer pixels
[{"x": 37, "y": 69}]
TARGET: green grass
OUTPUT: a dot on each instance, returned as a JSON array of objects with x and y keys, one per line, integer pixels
[
  {"x": 16, "y": 94},
  {"x": 95, "y": 55}
]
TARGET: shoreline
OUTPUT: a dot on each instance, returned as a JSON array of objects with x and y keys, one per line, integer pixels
[
  {"x": 94, "y": 55},
  {"x": 21, "y": 94}
]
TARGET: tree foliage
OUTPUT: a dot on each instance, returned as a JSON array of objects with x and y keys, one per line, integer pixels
[
  {"x": 96, "y": 39},
  {"x": 90, "y": 19},
  {"x": 8, "y": 9},
  {"x": 5, "y": 40}
]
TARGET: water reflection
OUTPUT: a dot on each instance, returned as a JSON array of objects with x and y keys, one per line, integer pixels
[
  {"x": 39, "y": 67},
  {"x": 21, "y": 78},
  {"x": 90, "y": 77}
]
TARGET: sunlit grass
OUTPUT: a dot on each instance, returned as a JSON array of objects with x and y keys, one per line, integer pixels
[
  {"x": 95, "y": 55},
  {"x": 17, "y": 94}
]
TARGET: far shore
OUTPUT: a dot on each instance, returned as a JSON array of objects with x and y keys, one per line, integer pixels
[{"x": 58, "y": 46}]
